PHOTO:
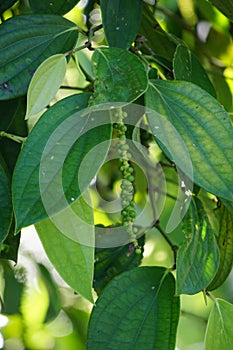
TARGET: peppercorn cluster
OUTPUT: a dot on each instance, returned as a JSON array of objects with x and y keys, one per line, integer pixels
[{"x": 128, "y": 212}]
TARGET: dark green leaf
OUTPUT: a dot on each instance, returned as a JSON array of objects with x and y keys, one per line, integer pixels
[
  {"x": 200, "y": 122},
  {"x": 6, "y": 4},
  {"x": 225, "y": 244},
  {"x": 219, "y": 328},
  {"x": 5, "y": 201},
  {"x": 187, "y": 67},
  {"x": 159, "y": 44},
  {"x": 143, "y": 311},
  {"x": 121, "y": 21},
  {"x": 226, "y": 7},
  {"x": 198, "y": 256},
  {"x": 56, "y": 7},
  {"x": 72, "y": 259},
  {"x": 120, "y": 76},
  {"x": 110, "y": 262},
  {"x": 54, "y": 296},
  {"x": 53, "y": 168},
  {"x": 25, "y": 42},
  {"x": 9, "y": 249},
  {"x": 12, "y": 291}
]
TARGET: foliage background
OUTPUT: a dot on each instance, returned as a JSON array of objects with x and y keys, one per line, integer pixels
[{"x": 29, "y": 321}]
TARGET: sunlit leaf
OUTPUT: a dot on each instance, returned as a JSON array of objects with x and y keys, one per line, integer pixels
[
  {"x": 25, "y": 42},
  {"x": 121, "y": 21},
  {"x": 198, "y": 256},
  {"x": 226, "y": 7},
  {"x": 225, "y": 244},
  {"x": 219, "y": 328},
  {"x": 48, "y": 174},
  {"x": 6, "y": 4},
  {"x": 120, "y": 76},
  {"x": 203, "y": 125},
  {"x": 187, "y": 67},
  {"x": 73, "y": 260},
  {"x": 143, "y": 311},
  {"x": 45, "y": 83}
]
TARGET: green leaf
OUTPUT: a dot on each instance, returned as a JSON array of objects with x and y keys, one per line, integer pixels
[
  {"x": 120, "y": 76},
  {"x": 110, "y": 262},
  {"x": 45, "y": 83},
  {"x": 57, "y": 7},
  {"x": 225, "y": 244},
  {"x": 53, "y": 292},
  {"x": 73, "y": 260},
  {"x": 121, "y": 21},
  {"x": 143, "y": 311},
  {"x": 5, "y": 201},
  {"x": 219, "y": 328},
  {"x": 12, "y": 290},
  {"x": 198, "y": 256},
  {"x": 6, "y": 4},
  {"x": 53, "y": 168},
  {"x": 205, "y": 128},
  {"x": 25, "y": 42},
  {"x": 9, "y": 249},
  {"x": 187, "y": 67},
  {"x": 226, "y": 7},
  {"x": 159, "y": 43}
]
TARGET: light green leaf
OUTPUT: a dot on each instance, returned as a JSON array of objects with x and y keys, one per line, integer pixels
[
  {"x": 120, "y": 76},
  {"x": 121, "y": 21},
  {"x": 225, "y": 244},
  {"x": 203, "y": 125},
  {"x": 226, "y": 7},
  {"x": 73, "y": 260},
  {"x": 5, "y": 201},
  {"x": 45, "y": 83},
  {"x": 25, "y": 42},
  {"x": 59, "y": 159},
  {"x": 198, "y": 256},
  {"x": 219, "y": 333},
  {"x": 143, "y": 310},
  {"x": 187, "y": 67}
]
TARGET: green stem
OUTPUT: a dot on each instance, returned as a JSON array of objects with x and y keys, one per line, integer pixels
[
  {"x": 12, "y": 137},
  {"x": 84, "y": 46},
  {"x": 173, "y": 246}
]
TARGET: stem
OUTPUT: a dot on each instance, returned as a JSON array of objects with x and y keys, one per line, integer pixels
[
  {"x": 87, "y": 45},
  {"x": 173, "y": 246},
  {"x": 92, "y": 31},
  {"x": 12, "y": 137}
]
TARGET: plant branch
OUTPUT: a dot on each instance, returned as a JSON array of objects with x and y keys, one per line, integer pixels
[
  {"x": 12, "y": 137},
  {"x": 174, "y": 247}
]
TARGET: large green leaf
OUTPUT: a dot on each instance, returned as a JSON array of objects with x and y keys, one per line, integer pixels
[
  {"x": 198, "y": 256},
  {"x": 45, "y": 83},
  {"x": 225, "y": 243},
  {"x": 25, "y": 42},
  {"x": 5, "y": 201},
  {"x": 202, "y": 123},
  {"x": 73, "y": 260},
  {"x": 49, "y": 173},
  {"x": 121, "y": 21},
  {"x": 219, "y": 328},
  {"x": 143, "y": 311},
  {"x": 187, "y": 67},
  {"x": 110, "y": 262},
  {"x": 57, "y": 7},
  {"x": 226, "y": 7},
  {"x": 120, "y": 76}
]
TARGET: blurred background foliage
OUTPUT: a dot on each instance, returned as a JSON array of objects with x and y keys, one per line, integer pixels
[{"x": 40, "y": 312}]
